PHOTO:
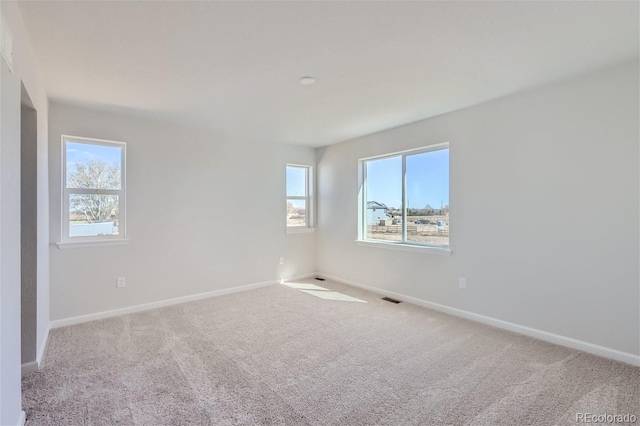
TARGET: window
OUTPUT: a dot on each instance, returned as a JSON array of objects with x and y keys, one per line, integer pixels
[
  {"x": 298, "y": 197},
  {"x": 405, "y": 198},
  {"x": 93, "y": 196}
]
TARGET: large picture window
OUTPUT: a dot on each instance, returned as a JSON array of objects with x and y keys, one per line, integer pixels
[
  {"x": 93, "y": 196},
  {"x": 405, "y": 197}
]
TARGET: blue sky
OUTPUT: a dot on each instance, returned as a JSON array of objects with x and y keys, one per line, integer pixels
[
  {"x": 82, "y": 151},
  {"x": 296, "y": 182},
  {"x": 296, "y": 185},
  {"x": 427, "y": 180}
]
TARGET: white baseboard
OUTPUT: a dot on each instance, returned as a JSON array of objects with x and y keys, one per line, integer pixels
[
  {"x": 43, "y": 346},
  {"x": 22, "y": 418},
  {"x": 29, "y": 367},
  {"x": 147, "y": 306},
  {"x": 494, "y": 322}
]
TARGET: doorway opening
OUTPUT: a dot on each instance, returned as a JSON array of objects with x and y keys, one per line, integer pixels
[{"x": 29, "y": 231}]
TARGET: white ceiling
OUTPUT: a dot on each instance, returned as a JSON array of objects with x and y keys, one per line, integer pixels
[{"x": 234, "y": 66}]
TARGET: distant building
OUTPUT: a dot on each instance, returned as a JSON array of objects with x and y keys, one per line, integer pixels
[{"x": 376, "y": 212}]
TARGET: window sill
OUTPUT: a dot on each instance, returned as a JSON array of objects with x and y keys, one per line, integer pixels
[
  {"x": 299, "y": 230},
  {"x": 98, "y": 243},
  {"x": 440, "y": 251}
]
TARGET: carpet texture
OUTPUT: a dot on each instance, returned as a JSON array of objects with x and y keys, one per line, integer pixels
[{"x": 276, "y": 355}]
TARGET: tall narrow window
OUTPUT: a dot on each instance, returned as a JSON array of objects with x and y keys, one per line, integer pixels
[
  {"x": 298, "y": 199},
  {"x": 405, "y": 197},
  {"x": 93, "y": 196}
]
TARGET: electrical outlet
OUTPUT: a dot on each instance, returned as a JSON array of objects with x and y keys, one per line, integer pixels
[
  {"x": 120, "y": 282},
  {"x": 462, "y": 283},
  {"x": 281, "y": 260}
]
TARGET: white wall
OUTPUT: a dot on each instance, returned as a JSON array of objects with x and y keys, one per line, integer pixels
[
  {"x": 204, "y": 213},
  {"x": 544, "y": 210},
  {"x": 25, "y": 70}
]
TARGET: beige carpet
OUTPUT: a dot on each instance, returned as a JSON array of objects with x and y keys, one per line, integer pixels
[{"x": 278, "y": 355}]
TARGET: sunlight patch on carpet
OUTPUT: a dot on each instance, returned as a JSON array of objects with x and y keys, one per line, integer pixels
[
  {"x": 333, "y": 295},
  {"x": 302, "y": 286}
]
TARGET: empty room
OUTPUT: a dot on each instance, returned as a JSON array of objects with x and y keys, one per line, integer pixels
[{"x": 319, "y": 213}]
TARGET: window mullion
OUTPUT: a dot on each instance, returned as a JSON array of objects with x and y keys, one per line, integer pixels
[{"x": 92, "y": 191}]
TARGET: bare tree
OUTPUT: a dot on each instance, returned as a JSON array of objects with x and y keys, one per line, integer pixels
[{"x": 94, "y": 174}]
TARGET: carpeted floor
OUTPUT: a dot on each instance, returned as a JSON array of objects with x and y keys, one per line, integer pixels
[{"x": 278, "y": 355}]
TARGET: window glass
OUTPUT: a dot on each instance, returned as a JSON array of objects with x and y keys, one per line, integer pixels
[
  {"x": 296, "y": 181},
  {"x": 296, "y": 212},
  {"x": 93, "y": 215},
  {"x": 428, "y": 197},
  {"x": 93, "y": 166},
  {"x": 384, "y": 199}
]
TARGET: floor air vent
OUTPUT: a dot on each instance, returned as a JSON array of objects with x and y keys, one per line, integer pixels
[
  {"x": 388, "y": 299},
  {"x": 320, "y": 279}
]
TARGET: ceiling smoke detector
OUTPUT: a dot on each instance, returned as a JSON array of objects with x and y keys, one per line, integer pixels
[{"x": 307, "y": 80}]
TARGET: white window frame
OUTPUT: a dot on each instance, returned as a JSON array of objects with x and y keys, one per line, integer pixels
[
  {"x": 403, "y": 245},
  {"x": 308, "y": 198},
  {"x": 96, "y": 240}
]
